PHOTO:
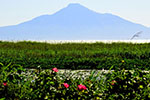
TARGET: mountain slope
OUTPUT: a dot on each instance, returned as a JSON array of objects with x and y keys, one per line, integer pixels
[{"x": 75, "y": 22}]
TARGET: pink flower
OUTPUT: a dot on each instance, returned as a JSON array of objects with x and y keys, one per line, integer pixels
[
  {"x": 113, "y": 82},
  {"x": 5, "y": 83},
  {"x": 55, "y": 69},
  {"x": 82, "y": 87},
  {"x": 66, "y": 85}
]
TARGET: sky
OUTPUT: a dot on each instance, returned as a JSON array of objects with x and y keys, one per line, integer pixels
[{"x": 13, "y": 12}]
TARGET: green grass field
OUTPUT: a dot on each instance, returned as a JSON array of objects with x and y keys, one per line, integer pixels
[{"x": 76, "y": 55}]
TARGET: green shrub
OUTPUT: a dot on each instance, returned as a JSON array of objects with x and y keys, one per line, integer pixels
[{"x": 17, "y": 83}]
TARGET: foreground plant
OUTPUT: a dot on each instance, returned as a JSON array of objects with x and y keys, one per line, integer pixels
[
  {"x": 13, "y": 85},
  {"x": 128, "y": 85},
  {"x": 18, "y": 83}
]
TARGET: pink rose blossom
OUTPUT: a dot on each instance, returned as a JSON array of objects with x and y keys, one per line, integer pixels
[
  {"x": 55, "y": 69},
  {"x": 5, "y": 83},
  {"x": 82, "y": 87},
  {"x": 66, "y": 85}
]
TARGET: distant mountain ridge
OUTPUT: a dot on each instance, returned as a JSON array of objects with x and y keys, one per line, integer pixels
[{"x": 74, "y": 22}]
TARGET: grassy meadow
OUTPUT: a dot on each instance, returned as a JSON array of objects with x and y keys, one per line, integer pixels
[{"x": 76, "y": 55}]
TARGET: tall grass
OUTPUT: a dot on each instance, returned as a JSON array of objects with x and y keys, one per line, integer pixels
[{"x": 76, "y": 55}]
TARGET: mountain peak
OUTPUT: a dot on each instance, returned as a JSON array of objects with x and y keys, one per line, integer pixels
[
  {"x": 74, "y": 9},
  {"x": 74, "y": 5}
]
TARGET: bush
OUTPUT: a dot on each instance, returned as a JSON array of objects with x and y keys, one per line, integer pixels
[{"x": 23, "y": 84}]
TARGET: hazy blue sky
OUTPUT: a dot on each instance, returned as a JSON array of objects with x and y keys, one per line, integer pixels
[{"x": 16, "y": 11}]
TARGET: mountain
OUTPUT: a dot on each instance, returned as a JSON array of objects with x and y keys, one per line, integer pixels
[{"x": 74, "y": 22}]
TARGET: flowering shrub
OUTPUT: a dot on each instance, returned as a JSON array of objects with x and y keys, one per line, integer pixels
[
  {"x": 12, "y": 83},
  {"x": 128, "y": 85},
  {"x": 17, "y": 83}
]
